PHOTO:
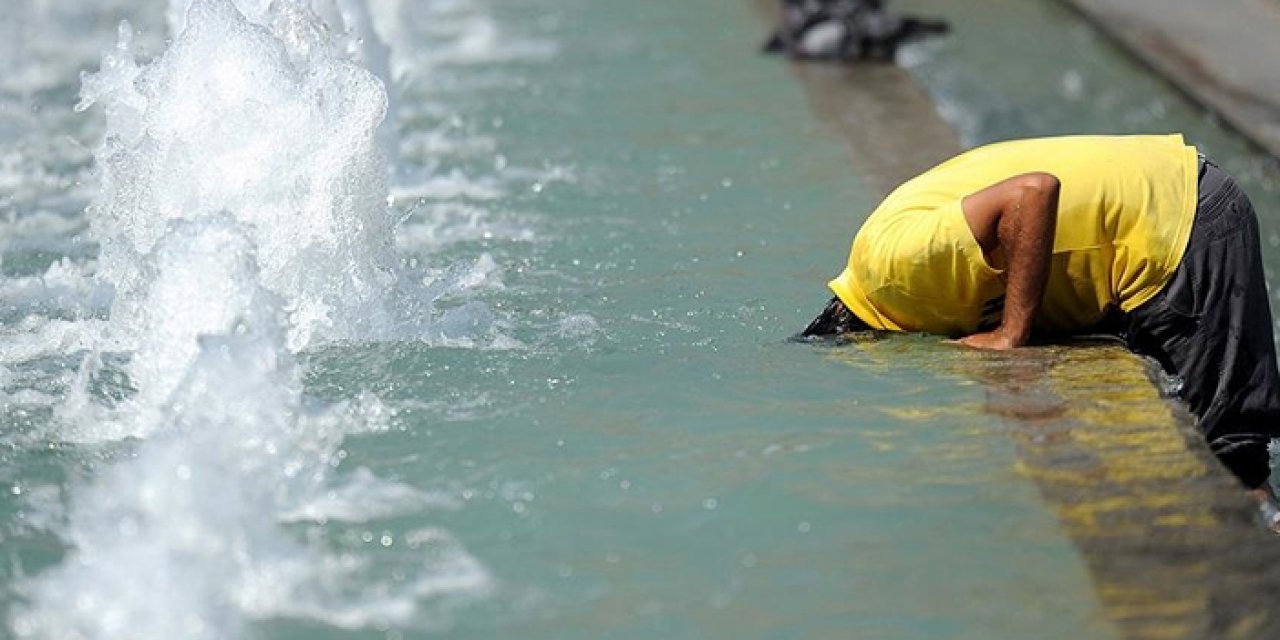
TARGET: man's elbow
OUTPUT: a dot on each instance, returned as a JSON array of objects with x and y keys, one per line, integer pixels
[{"x": 1041, "y": 183}]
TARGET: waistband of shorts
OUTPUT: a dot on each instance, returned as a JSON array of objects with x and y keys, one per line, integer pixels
[{"x": 1213, "y": 185}]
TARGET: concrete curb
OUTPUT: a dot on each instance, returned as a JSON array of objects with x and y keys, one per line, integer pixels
[{"x": 1224, "y": 55}]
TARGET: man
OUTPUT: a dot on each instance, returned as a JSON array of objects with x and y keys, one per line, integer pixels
[{"x": 1135, "y": 235}]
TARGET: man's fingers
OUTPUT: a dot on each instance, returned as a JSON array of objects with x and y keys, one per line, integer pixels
[{"x": 992, "y": 341}]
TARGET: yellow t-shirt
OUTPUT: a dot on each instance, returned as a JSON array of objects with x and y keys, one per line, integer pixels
[{"x": 1124, "y": 214}]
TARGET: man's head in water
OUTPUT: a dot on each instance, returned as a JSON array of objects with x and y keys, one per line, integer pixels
[{"x": 835, "y": 319}]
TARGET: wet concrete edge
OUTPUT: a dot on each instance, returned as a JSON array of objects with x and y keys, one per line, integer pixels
[{"x": 1170, "y": 44}]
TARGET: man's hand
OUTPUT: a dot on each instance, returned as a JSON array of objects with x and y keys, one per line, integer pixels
[
  {"x": 1014, "y": 221},
  {"x": 994, "y": 340},
  {"x": 1267, "y": 507}
]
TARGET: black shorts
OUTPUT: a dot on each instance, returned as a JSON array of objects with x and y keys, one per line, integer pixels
[{"x": 1211, "y": 327}]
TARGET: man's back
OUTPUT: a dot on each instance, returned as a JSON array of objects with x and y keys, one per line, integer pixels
[{"x": 1124, "y": 214}]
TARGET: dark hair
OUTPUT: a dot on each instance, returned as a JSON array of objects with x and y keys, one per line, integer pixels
[{"x": 834, "y": 319}]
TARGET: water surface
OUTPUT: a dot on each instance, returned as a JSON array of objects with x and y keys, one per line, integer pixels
[{"x": 618, "y": 214}]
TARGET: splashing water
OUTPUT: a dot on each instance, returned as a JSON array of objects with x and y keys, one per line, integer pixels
[
  {"x": 350, "y": 33},
  {"x": 350, "y": 25},
  {"x": 278, "y": 132},
  {"x": 242, "y": 217},
  {"x": 180, "y": 540}
]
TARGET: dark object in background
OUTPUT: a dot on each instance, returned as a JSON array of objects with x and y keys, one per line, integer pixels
[{"x": 845, "y": 30}]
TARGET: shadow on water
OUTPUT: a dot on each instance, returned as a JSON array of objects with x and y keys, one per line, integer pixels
[{"x": 1172, "y": 543}]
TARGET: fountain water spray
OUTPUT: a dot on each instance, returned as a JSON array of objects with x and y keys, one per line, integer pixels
[{"x": 242, "y": 217}]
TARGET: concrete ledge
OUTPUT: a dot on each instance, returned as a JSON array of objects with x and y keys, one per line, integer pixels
[{"x": 1224, "y": 54}]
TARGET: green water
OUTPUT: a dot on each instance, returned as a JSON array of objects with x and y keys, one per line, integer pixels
[
  {"x": 688, "y": 472},
  {"x": 655, "y": 459}
]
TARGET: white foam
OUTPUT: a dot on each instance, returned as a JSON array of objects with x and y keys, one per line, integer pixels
[
  {"x": 241, "y": 218},
  {"x": 153, "y": 555},
  {"x": 450, "y": 186},
  {"x": 213, "y": 257},
  {"x": 364, "y": 497},
  {"x": 579, "y": 325},
  {"x": 426, "y": 146},
  {"x": 228, "y": 120},
  {"x": 388, "y": 22},
  {"x": 39, "y": 223},
  {"x": 39, "y": 337},
  {"x": 476, "y": 39},
  {"x": 181, "y": 540},
  {"x": 441, "y": 577},
  {"x": 458, "y": 408},
  {"x": 438, "y": 225},
  {"x": 350, "y": 32},
  {"x": 66, "y": 288},
  {"x": 482, "y": 274},
  {"x": 29, "y": 398}
]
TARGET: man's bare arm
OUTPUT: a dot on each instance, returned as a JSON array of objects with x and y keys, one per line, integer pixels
[{"x": 1015, "y": 220}]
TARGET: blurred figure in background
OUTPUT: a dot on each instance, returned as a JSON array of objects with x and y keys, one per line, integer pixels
[{"x": 845, "y": 30}]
